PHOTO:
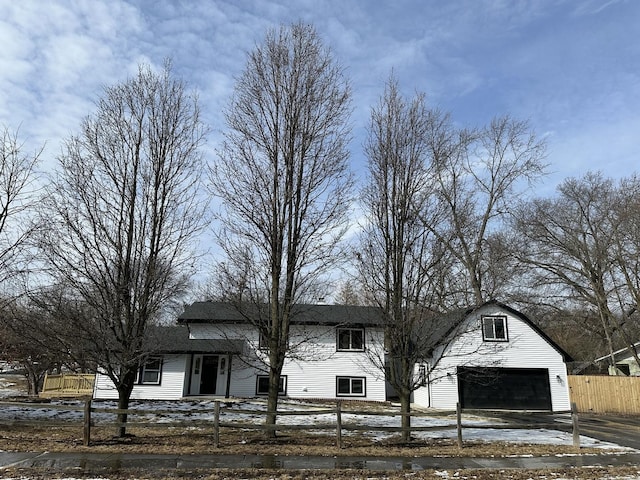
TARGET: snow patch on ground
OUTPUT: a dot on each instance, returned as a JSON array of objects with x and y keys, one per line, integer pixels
[{"x": 200, "y": 411}]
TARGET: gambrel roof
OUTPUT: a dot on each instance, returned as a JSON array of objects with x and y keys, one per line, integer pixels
[{"x": 447, "y": 323}]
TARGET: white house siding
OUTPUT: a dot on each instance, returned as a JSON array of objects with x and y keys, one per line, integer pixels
[
  {"x": 315, "y": 376},
  {"x": 243, "y": 376},
  {"x": 171, "y": 386},
  {"x": 525, "y": 349},
  {"x": 313, "y": 373}
]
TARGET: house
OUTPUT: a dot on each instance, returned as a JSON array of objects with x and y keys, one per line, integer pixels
[
  {"x": 493, "y": 357},
  {"x": 625, "y": 362},
  {"x": 215, "y": 350},
  {"x": 490, "y": 356},
  {"x": 165, "y": 375}
]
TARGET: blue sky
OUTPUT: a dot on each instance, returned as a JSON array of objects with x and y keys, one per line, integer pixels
[{"x": 571, "y": 68}]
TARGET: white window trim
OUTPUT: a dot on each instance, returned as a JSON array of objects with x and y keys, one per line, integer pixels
[
  {"x": 141, "y": 371},
  {"x": 283, "y": 385},
  {"x": 494, "y": 338},
  {"x": 351, "y": 379},
  {"x": 350, "y": 349}
]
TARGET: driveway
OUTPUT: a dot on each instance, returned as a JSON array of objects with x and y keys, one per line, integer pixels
[{"x": 619, "y": 429}]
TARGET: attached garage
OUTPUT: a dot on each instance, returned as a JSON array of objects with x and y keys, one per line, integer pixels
[{"x": 504, "y": 388}]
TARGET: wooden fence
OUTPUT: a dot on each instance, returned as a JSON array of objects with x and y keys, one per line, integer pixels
[
  {"x": 67, "y": 385},
  {"x": 605, "y": 394},
  {"x": 338, "y": 425}
]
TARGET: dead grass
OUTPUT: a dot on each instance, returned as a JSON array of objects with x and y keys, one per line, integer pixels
[
  {"x": 185, "y": 441},
  {"x": 188, "y": 440}
]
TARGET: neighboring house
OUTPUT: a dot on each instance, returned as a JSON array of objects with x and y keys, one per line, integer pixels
[
  {"x": 625, "y": 362},
  {"x": 493, "y": 357},
  {"x": 216, "y": 351}
]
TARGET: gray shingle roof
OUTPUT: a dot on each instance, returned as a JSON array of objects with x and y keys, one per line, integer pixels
[
  {"x": 222, "y": 312},
  {"x": 175, "y": 339}
]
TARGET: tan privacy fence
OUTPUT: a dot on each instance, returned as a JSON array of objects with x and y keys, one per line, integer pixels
[
  {"x": 605, "y": 394},
  {"x": 68, "y": 385}
]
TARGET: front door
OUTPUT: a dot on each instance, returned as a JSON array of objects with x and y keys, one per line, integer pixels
[{"x": 209, "y": 377}]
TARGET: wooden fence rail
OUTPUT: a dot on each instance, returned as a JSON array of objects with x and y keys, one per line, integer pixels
[
  {"x": 605, "y": 394},
  {"x": 339, "y": 425}
]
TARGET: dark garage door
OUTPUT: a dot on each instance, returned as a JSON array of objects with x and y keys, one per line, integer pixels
[{"x": 504, "y": 388}]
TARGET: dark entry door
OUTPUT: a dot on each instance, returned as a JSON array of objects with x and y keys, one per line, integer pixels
[
  {"x": 209, "y": 377},
  {"x": 504, "y": 388}
]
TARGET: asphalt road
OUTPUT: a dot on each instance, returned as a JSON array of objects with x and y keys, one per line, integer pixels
[{"x": 623, "y": 430}]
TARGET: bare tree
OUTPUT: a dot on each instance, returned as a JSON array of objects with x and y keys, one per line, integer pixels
[
  {"x": 283, "y": 179},
  {"x": 37, "y": 333},
  {"x": 399, "y": 260},
  {"x": 349, "y": 293},
  {"x": 626, "y": 251},
  {"x": 481, "y": 175},
  {"x": 570, "y": 241},
  {"x": 17, "y": 196},
  {"x": 122, "y": 214}
]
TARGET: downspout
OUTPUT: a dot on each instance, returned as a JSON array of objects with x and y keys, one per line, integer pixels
[
  {"x": 429, "y": 384},
  {"x": 190, "y": 375},
  {"x": 228, "y": 387}
]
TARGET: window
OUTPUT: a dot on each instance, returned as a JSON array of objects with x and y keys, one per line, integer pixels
[
  {"x": 624, "y": 368},
  {"x": 494, "y": 329},
  {"x": 422, "y": 375},
  {"x": 262, "y": 387},
  {"x": 150, "y": 372},
  {"x": 351, "y": 339},
  {"x": 351, "y": 387},
  {"x": 263, "y": 340}
]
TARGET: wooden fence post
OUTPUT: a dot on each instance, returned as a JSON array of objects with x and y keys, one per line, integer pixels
[
  {"x": 216, "y": 424},
  {"x": 576, "y": 425},
  {"x": 86, "y": 430},
  {"x": 459, "y": 423},
  {"x": 339, "y": 423}
]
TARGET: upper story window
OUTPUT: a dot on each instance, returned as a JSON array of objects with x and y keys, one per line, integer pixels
[
  {"x": 494, "y": 329},
  {"x": 351, "y": 339},
  {"x": 150, "y": 372}
]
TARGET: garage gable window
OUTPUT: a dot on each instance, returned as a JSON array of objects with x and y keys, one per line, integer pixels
[{"x": 494, "y": 329}]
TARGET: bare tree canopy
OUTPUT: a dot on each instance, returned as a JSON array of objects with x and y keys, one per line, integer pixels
[
  {"x": 283, "y": 180},
  {"x": 122, "y": 214},
  {"x": 583, "y": 244},
  {"x": 17, "y": 196},
  {"x": 398, "y": 259},
  {"x": 481, "y": 176}
]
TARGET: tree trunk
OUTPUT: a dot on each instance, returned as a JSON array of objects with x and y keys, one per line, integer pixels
[
  {"x": 125, "y": 387},
  {"x": 33, "y": 381},
  {"x": 272, "y": 403},
  {"x": 405, "y": 409},
  {"x": 123, "y": 404}
]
